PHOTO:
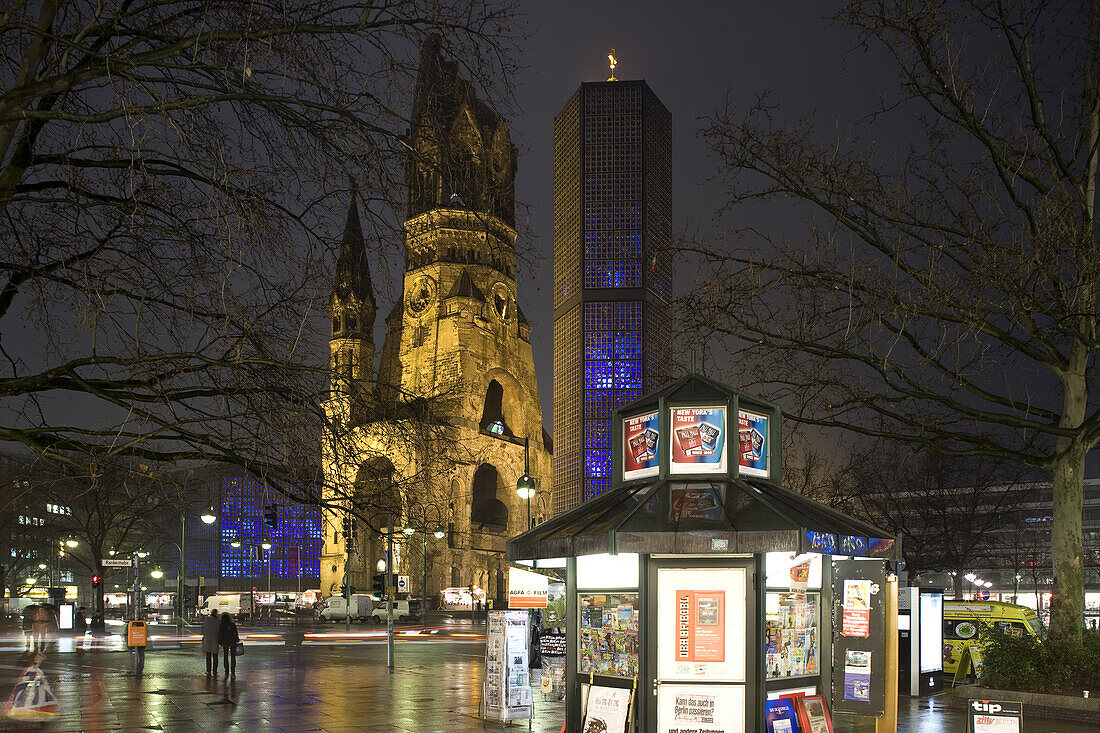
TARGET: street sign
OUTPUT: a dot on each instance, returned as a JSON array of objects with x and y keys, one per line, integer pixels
[
  {"x": 987, "y": 716},
  {"x": 115, "y": 562},
  {"x": 402, "y": 584}
]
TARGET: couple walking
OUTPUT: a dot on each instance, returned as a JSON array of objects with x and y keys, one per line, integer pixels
[{"x": 220, "y": 632}]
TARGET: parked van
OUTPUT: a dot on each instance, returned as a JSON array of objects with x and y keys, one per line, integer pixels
[
  {"x": 238, "y": 604},
  {"x": 965, "y": 622},
  {"x": 336, "y": 609},
  {"x": 402, "y": 611}
]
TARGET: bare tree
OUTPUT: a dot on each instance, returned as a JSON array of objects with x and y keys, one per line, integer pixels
[
  {"x": 947, "y": 296},
  {"x": 167, "y": 173}
]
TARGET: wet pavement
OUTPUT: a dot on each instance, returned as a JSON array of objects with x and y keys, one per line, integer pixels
[{"x": 331, "y": 684}]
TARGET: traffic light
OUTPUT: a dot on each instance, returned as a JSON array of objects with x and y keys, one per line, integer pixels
[
  {"x": 271, "y": 515},
  {"x": 379, "y": 583},
  {"x": 347, "y": 528},
  {"x": 95, "y": 581}
]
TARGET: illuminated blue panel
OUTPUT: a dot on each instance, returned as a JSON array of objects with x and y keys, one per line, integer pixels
[
  {"x": 628, "y": 345},
  {"x": 597, "y": 434},
  {"x": 598, "y": 345},
  {"x": 296, "y": 543},
  {"x": 598, "y": 403},
  {"x": 628, "y": 374},
  {"x": 598, "y": 375},
  {"x": 597, "y": 463},
  {"x": 593, "y": 487}
]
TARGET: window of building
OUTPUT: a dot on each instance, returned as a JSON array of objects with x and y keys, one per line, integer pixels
[
  {"x": 492, "y": 416},
  {"x": 486, "y": 510}
]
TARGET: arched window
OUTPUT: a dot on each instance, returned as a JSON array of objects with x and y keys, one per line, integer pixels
[
  {"x": 335, "y": 324},
  {"x": 492, "y": 415},
  {"x": 486, "y": 510}
]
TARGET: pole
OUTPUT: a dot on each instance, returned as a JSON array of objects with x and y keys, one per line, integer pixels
[
  {"x": 252, "y": 585},
  {"x": 527, "y": 472},
  {"x": 424, "y": 583},
  {"x": 389, "y": 577},
  {"x": 182, "y": 581},
  {"x": 299, "y": 571},
  {"x": 888, "y": 723}
]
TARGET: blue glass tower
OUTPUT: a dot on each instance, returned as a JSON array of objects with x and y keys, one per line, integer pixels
[{"x": 612, "y": 274}]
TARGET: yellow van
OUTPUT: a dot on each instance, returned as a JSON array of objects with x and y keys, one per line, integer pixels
[{"x": 964, "y": 621}]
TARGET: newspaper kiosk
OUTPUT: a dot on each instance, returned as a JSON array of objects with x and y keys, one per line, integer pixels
[{"x": 698, "y": 588}]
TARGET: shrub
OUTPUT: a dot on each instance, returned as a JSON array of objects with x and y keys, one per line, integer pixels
[{"x": 1025, "y": 663}]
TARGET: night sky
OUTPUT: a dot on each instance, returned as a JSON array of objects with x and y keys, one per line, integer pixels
[{"x": 692, "y": 54}]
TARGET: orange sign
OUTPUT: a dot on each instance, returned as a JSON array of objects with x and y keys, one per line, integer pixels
[
  {"x": 700, "y": 626},
  {"x": 136, "y": 633}
]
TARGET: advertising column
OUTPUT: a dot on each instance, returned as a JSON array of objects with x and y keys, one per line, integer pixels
[{"x": 859, "y": 641}]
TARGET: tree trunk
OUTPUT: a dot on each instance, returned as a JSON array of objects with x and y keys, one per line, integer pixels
[
  {"x": 1068, "y": 601},
  {"x": 957, "y": 583}
]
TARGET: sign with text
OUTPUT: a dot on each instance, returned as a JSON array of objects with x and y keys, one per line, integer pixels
[
  {"x": 700, "y": 626},
  {"x": 527, "y": 589},
  {"x": 752, "y": 442},
  {"x": 988, "y": 716},
  {"x": 698, "y": 440},
  {"x": 701, "y": 708},
  {"x": 115, "y": 562},
  {"x": 641, "y": 438},
  {"x": 606, "y": 709}
]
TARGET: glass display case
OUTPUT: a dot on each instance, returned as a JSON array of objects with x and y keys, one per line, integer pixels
[
  {"x": 792, "y": 634},
  {"x": 608, "y": 635}
]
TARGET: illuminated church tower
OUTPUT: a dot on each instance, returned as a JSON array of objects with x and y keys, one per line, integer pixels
[
  {"x": 437, "y": 440},
  {"x": 612, "y": 275}
]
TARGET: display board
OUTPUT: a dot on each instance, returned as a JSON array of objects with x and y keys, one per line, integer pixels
[
  {"x": 506, "y": 691},
  {"x": 608, "y": 634},
  {"x": 641, "y": 446},
  {"x": 780, "y": 716},
  {"x": 813, "y": 714},
  {"x": 931, "y": 632},
  {"x": 697, "y": 443},
  {"x": 859, "y": 637},
  {"x": 701, "y": 708}
]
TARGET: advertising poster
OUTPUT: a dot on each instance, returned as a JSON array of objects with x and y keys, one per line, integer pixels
[
  {"x": 987, "y": 716},
  {"x": 700, "y": 626},
  {"x": 606, "y": 709},
  {"x": 698, "y": 439},
  {"x": 640, "y": 446},
  {"x": 700, "y": 709},
  {"x": 527, "y": 589},
  {"x": 694, "y": 503},
  {"x": 752, "y": 442},
  {"x": 856, "y": 618},
  {"x": 857, "y": 675}
]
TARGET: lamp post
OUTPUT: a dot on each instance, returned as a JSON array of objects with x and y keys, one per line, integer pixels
[
  {"x": 137, "y": 555},
  {"x": 208, "y": 517},
  {"x": 525, "y": 487}
]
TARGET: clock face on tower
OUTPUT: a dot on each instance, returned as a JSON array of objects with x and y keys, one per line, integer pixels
[
  {"x": 503, "y": 303},
  {"x": 420, "y": 296}
]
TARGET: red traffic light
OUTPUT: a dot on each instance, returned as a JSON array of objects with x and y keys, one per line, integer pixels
[{"x": 95, "y": 580}]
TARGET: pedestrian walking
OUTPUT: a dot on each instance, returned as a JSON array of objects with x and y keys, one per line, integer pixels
[
  {"x": 28, "y": 627},
  {"x": 80, "y": 622},
  {"x": 210, "y": 642},
  {"x": 228, "y": 638}
]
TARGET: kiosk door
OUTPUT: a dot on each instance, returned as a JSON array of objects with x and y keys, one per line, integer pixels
[{"x": 705, "y": 632}]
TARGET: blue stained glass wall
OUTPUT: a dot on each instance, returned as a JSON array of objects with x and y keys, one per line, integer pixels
[{"x": 298, "y": 535}]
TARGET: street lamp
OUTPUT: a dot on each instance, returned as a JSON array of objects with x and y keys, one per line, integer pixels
[
  {"x": 157, "y": 573},
  {"x": 208, "y": 517},
  {"x": 71, "y": 543},
  {"x": 525, "y": 487}
]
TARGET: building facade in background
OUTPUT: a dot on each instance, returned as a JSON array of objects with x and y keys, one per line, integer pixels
[
  {"x": 612, "y": 272},
  {"x": 434, "y": 442}
]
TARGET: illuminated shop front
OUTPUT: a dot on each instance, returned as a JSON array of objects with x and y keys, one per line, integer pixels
[{"x": 703, "y": 585}]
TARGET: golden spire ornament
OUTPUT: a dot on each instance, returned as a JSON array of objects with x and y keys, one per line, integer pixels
[{"x": 613, "y": 62}]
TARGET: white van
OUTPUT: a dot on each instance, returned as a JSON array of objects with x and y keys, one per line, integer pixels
[
  {"x": 238, "y": 604},
  {"x": 335, "y": 609},
  {"x": 402, "y": 611}
]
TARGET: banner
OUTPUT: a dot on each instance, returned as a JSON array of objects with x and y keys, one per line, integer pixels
[
  {"x": 526, "y": 589},
  {"x": 640, "y": 445},
  {"x": 698, "y": 440},
  {"x": 752, "y": 440}
]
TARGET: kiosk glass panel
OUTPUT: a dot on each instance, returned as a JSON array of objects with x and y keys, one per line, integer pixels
[
  {"x": 608, "y": 635},
  {"x": 792, "y": 636}
]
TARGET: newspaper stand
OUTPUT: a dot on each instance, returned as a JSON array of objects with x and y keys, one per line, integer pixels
[
  {"x": 137, "y": 637},
  {"x": 702, "y": 586}
]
